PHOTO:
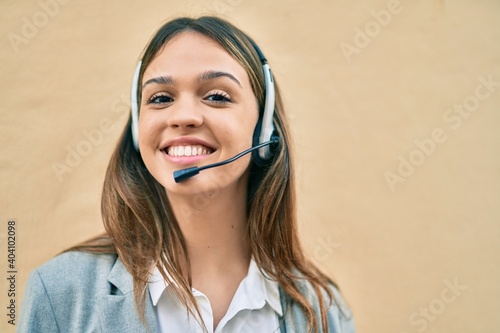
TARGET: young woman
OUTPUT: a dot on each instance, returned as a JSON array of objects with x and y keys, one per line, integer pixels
[{"x": 214, "y": 251}]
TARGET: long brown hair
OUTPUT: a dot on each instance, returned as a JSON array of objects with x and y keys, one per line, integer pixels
[{"x": 140, "y": 224}]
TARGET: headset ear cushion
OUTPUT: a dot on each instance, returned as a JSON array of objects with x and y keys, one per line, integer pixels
[{"x": 255, "y": 141}]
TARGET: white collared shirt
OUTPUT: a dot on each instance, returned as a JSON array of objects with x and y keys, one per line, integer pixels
[{"x": 255, "y": 307}]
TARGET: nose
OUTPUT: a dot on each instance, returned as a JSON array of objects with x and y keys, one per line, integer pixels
[{"x": 185, "y": 114}]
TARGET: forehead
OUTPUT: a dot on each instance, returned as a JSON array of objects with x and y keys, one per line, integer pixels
[{"x": 191, "y": 53}]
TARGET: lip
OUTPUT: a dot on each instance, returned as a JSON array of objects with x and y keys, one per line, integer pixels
[{"x": 186, "y": 141}]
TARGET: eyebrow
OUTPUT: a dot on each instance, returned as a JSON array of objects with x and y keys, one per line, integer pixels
[
  {"x": 159, "y": 80},
  {"x": 208, "y": 75}
]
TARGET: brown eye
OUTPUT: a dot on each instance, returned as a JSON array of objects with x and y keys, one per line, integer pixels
[
  {"x": 160, "y": 99},
  {"x": 219, "y": 98}
]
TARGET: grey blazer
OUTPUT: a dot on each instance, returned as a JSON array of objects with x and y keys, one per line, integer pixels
[{"x": 81, "y": 292}]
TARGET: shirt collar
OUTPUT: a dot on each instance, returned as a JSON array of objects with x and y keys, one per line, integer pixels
[
  {"x": 157, "y": 285},
  {"x": 259, "y": 286},
  {"x": 256, "y": 285}
]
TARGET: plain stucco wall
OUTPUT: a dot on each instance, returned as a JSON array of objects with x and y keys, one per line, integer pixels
[{"x": 399, "y": 190}]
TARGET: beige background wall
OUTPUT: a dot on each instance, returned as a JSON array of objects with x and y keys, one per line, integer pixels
[{"x": 367, "y": 101}]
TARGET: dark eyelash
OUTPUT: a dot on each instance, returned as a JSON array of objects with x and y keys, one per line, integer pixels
[
  {"x": 220, "y": 94},
  {"x": 155, "y": 96}
]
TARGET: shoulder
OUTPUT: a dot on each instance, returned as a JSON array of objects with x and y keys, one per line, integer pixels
[
  {"x": 339, "y": 316},
  {"x": 74, "y": 272},
  {"x": 64, "y": 287},
  {"x": 75, "y": 268},
  {"x": 70, "y": 264}
]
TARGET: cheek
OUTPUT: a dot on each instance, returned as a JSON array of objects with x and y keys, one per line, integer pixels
[
  {"x": 149, "y": 142},
  {"x": 251, "y": 125},
  {"x": 237, "y": 135},
  {"x": 246, "y": 123},
  {"x": 149, "y": 127}
]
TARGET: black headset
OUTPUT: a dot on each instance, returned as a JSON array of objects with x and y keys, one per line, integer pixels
[{"x": 264, "y": 132}]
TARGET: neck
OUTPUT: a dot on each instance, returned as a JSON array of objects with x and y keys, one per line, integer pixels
[{"x": 215, "y": 231}]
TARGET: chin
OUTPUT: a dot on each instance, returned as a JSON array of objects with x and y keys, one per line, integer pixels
[{"x": 210, "y": 183}]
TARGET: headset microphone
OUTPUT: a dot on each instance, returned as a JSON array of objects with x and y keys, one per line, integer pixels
[{"x": 181, "y": 175}]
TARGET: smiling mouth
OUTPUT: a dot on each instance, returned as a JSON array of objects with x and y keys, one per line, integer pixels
[{"x": 188, "y": 151}]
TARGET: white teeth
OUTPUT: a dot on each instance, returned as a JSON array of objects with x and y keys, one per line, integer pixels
[{"x": 179, "y": 151}]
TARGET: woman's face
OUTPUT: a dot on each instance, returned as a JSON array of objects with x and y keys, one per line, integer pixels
[{"x": 197, "y": 108}]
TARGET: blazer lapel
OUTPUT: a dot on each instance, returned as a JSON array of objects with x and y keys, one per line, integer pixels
[
  {"x": 284, "y": 320},
  {"x": 117, "y": 310}
]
